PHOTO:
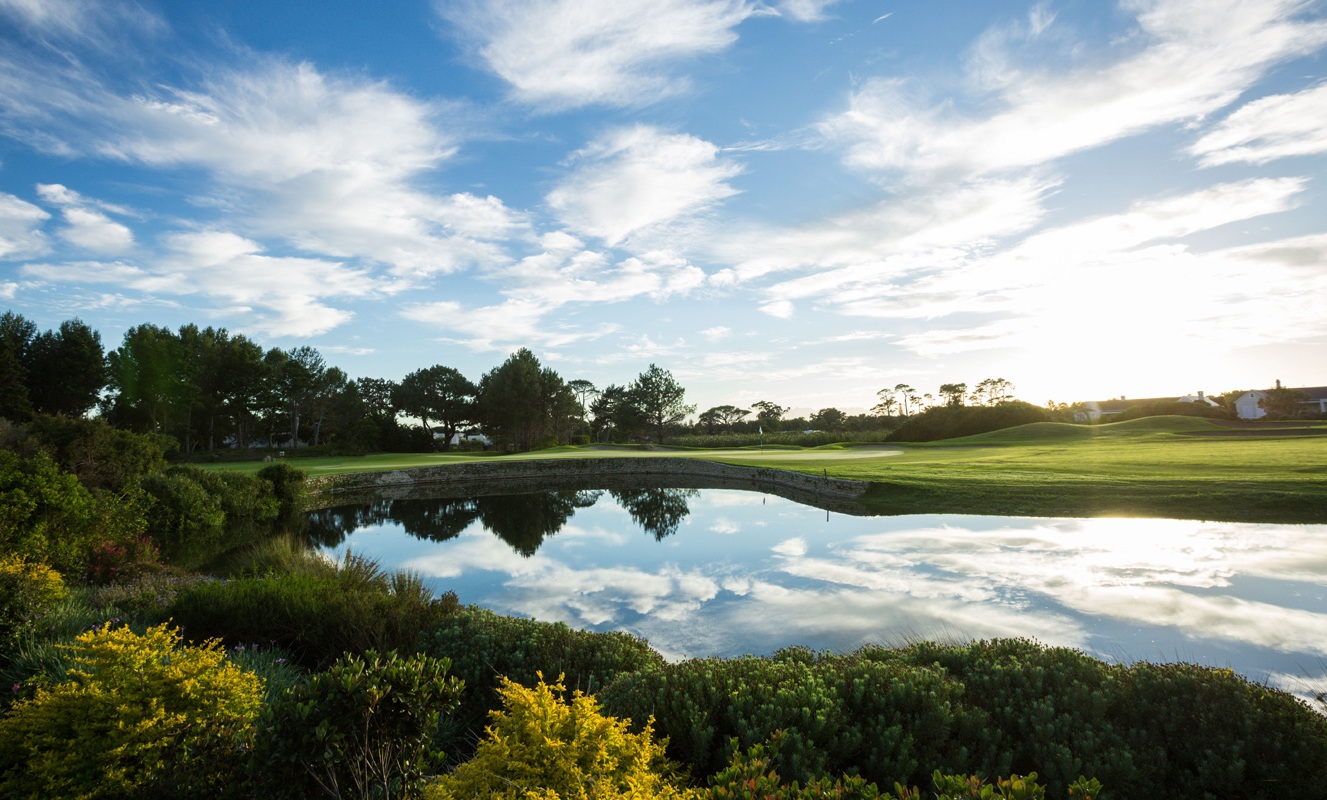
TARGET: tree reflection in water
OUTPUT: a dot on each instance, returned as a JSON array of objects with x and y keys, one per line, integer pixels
[
  {"x": 524, "y": 520},
  {"x": 521, "y": 520},
  {"x": 658, "y": 511}
]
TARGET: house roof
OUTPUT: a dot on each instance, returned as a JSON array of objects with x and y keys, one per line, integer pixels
[{"x": 1313, "y": 393}]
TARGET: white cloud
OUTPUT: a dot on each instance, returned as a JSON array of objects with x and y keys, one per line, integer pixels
[
  {"x": 805, "y": 10},
  {"x": 278, "y": 296},
  {"x": 1191, "y": 58},
  {"x": 330, "y": 164},
  {"x": 87, "y": 227},
  {"x": 569, "y": 53},
  {"x": 7, "y": 290},
  {"x": 1269, "y": 128},
  {"x": 20, "y": 228},
  {"x": 563, "y": 276},
  {"x": 639, "y": 177},
  {"x": 717, "y": 333},
  {"x": 85, "y": 20}
]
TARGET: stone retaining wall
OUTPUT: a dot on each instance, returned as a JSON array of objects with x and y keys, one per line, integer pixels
[{"x": 553, "y": 473}]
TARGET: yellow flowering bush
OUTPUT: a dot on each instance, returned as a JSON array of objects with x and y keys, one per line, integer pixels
[
  {"x": 137, "y": 715},
  {"x": 542, "y": 746},
  {"x": 28, "y": 590}
]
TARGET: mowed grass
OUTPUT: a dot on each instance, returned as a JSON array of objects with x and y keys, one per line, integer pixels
[{"x": 1177, "y": 467}]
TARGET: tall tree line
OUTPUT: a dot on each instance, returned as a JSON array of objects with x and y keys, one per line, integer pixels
[{"x": 211, "y": 389}]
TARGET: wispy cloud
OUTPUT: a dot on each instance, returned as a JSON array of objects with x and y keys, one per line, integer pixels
[
  {"x": 277, "y": 296},
  {"x": 569, "y": 53},
  {"x": 639, "y": 177},
  {"x": 86, "y": 226},
  {"x": 1189, "y": 59},
  {"x": 20, "y": 228},
  {"x": 1278, "y": 126}
]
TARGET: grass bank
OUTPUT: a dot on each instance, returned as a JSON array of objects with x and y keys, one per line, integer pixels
[{"x": 1177, "y": 467}]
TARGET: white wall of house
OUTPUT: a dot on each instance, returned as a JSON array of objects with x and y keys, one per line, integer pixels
[{"x": 1246, "y": 405}]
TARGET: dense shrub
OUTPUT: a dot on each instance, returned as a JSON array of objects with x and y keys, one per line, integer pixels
[
  {"x": 184, "y": 516},
  {"x": 949, "y": 422},
  {"x": 101, "y": 456},
  {"x": 1200, "y": 732},
  {"x": 544, "y": 745},
  {"x": 318, "y": 615},
  {"x": 363, "y": 728},
  {"x": 989, "y": 708},
  {"x": 47, "y": 515},
  {"x": 1051, "y": 706},
  {"x": 1162, "y": 731},
  {"x": 483, "y": 646},
  {"x": 139, "y": 715},
  {"x": 752, "y": 774},
  {"x": 28, "y": 591},
  {"x": 287, "y": 486},
  {"x": 891, "y": 721}
]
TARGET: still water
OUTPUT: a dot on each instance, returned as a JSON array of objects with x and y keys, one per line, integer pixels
[{"x": 722, "y": 572}]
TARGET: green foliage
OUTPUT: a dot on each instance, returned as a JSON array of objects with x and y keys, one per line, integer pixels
[
  {"x": 547, "y": 746},
  {"x": 891, "y": 721},
  {"x": 316, "y": 616},
  {"x": 752, "y": 774},
  {"x": 287, "y": 485},
  {"x": 28, "y": 591},
  {"x": 184, "y": 516},
  {"x": 988, "y": 708},
  {"x": 101, "y": 456},
  {"x": 47, "y": 515},
  {"x": 951, "y": 421},
  {"x": 362, "y": 728},
  {"x": 483, "y": 645},
  {"x": 138, "y": 715}
]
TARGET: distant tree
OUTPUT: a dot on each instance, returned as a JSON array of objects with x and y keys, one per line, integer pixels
[
  {"x": 66, "y": 370},
  {"x": 660, "y": 398},
  {"x": 907, "y": 398},
  {"x": 828, "y": 419},
  {"x": 147, "y": 383},
  {"x": 585, "y": 393},
  {"x": 440, "y": 394},
  {"x": 16, "y": 335},
  {"x": 768, "y": 414},
  {"x": 616, "y": 417},
  {"x": 725, "y": 417},
  {"x": 953, "y": 393},
  {"x": 1282, "y": 403},
  {"x": 520, "y": 402},
  {"x": 992, "y": 392},
  {"x": 888, "y": 402}
]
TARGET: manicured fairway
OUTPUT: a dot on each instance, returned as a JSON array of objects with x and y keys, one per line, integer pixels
[{"x": 1161, "y": 466}]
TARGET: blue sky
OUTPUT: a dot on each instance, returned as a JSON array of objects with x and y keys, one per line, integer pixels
[{"x": 799, "y": 200}]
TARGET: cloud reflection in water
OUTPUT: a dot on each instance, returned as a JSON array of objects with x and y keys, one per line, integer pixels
[{"x": 736, "y": 572}]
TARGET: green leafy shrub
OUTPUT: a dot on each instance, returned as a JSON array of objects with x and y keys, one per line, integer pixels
[
  {"x": 115, "y": 562},
  {"x": 1051, "y": 709},
  {"x": 316, "y": 616},
  {"x": 363, "y": 728},
  {"x": 101, "y": 456},
  {"x": 752, "y": 774},
  {"x": 836, "y": 714},
  {"x": 483, "y": 646},
  {"x": 47, "y": 515},
  {"x": 28, "y": 591},
  {"x": 138, "y": 715},
  {"x": 184, "y": 515},
  {"x": 545, "y": 745},
  {"x": 1209, "y": 732},
  {"x": 288, "y": 486}
]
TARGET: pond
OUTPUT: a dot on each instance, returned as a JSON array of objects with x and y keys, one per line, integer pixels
[{"x": 723, "y": 572}]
